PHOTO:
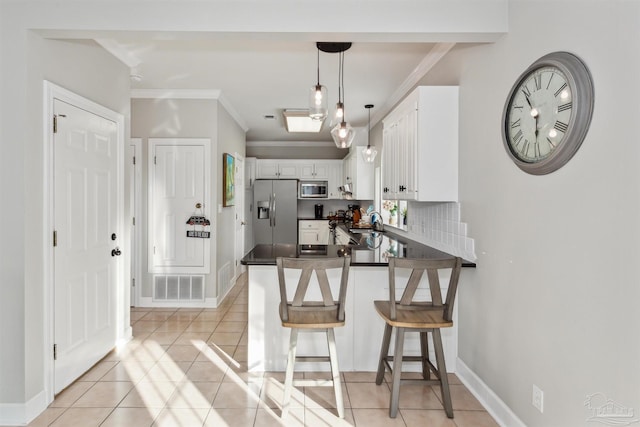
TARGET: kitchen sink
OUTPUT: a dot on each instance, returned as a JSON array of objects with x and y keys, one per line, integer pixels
[{"x": 361, "y": 230}]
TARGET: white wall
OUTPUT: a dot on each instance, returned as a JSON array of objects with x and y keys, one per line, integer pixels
[
  {"x": 554, "y": 298},
  {"x": 231, "y": 139},
  {"x": 89, "y": 71},
  {"x": 192, "y": 118}
]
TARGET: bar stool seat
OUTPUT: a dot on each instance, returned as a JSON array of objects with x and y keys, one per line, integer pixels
[
  {"x": 302, "y": 314},
  {"x": 409, "y": 314}
]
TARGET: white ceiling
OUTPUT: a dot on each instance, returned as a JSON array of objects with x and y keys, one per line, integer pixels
[{"x": 263, "y": 77}]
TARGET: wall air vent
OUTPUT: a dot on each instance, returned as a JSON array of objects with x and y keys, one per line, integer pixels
[{"x": 178, "y": 288}]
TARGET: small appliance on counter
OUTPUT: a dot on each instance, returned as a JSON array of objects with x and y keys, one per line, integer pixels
[
  {"x": 318, "y": 211},
  {"x": 355, "y": 213}
]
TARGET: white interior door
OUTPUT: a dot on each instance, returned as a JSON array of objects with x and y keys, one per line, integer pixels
[
  {"x": 85, "y": 217},
  {"x": 178, "y": 176}
]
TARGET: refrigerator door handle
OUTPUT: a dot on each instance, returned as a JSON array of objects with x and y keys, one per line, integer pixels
[
  {"x": 271, "y": 210},
  {"x": 274, "y": 209}
]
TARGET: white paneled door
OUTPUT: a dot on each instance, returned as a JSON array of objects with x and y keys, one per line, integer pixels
[
  {"x": 85, "y": 253},
  {"x": 178, "y": 191}
]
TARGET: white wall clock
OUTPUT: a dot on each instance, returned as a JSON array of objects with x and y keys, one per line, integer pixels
[{"x": 548, "y": 112}]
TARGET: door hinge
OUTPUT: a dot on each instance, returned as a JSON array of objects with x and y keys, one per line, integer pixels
[
  {"x": 134, "y": 220},
  {"x": 55, "y": 238},
  {"x": 134, "y": 160},
  {"x": 133, "y": 282},
  {"x": 55, "y": 352},
  {"x": 155, "y": 160},
  {"x": 55, "y": 122}
]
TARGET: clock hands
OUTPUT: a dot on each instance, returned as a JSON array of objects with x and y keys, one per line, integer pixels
[{"x": 534, "y": 112}]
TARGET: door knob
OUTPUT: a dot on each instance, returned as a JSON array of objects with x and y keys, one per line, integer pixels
[
  {"x": 243, "y": 223},
  {"x": 116, "y": 252}
]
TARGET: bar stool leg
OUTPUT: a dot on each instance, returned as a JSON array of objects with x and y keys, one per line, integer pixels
[
  {"x": 442, "y": 371},
  {"x": 384, "y": 352},
  {"x": 397, "y": 373},
  {"x": 288, "y": 378},
  {"x": 424, "y": 354},
  {"x": 335, "y": 372}
]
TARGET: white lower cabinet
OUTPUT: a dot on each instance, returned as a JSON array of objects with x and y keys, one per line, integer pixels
[
  {"x": 342, "y": 237},
  {"x": 313, "y": 232}
]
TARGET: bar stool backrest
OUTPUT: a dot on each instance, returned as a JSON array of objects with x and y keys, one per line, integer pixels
[
  {"x": 307, "y": 267},
  {"x": 418, "y": 267}
]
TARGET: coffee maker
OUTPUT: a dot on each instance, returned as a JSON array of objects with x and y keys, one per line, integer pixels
[{"x": 318, "y": 210}]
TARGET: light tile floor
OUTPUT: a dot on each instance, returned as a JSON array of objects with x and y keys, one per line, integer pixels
[{"x": 187, "y": 367}]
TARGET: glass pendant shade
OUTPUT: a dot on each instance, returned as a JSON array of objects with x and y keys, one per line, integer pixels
[
  {"x": 369, "y": 154},
  {"x": 318, "y": 105},
  {"x": 343, "y": 134}
]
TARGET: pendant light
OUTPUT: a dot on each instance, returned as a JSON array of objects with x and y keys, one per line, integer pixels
[
  {"x": 369, "y": 154},
  {"x": 342, "y": 133},
  {"x": 318, "y": 109}
]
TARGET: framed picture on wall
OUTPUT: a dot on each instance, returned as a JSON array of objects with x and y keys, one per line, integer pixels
[{"x": 228, "y": 180}]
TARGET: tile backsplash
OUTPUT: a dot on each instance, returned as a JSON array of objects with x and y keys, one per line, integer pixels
[{"x": 438, "y": 225}]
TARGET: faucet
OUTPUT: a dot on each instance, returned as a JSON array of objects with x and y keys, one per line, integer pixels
[{"x": 376, "y": 221}]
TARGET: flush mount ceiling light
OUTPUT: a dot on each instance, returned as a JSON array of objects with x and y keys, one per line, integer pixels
[
  {"x": 342, "y": 133},
  {"x": 369, "y": 154},
  {"x": 300, "y": 121}
]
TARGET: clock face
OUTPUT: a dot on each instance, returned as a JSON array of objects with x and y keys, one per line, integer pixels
[
  {"x": 539, "y": 114},
  {"x": 548, "y": 112}
]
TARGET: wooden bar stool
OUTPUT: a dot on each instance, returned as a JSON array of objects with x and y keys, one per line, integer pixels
[
  {"x": 301, "y": 314},
  {"x": 410, "y": 314}
]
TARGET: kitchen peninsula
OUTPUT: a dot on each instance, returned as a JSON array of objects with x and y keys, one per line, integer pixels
[{"x": 359, "y": 340}]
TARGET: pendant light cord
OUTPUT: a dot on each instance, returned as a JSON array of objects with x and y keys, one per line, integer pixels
[{"x": 318, "y": 62}]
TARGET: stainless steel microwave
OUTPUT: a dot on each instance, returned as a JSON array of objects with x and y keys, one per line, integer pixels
[{"x": 313, "y": 190}]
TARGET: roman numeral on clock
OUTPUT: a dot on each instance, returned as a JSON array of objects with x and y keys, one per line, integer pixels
[
  {"x": 517, "y": 138},
  {"x": 538, "y": 80},
  {"x": 562, "y": 127},
  {"x": 564, "y": 107},
  {"x": 515, "y": 124},
  {"x": 559, "y": 91}
]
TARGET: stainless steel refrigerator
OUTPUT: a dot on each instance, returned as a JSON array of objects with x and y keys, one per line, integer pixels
[{"x": 275, "y": 218}]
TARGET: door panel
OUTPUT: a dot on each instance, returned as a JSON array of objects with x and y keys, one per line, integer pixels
[
  {"x": 85, "y": 215},
  {"x": 178, "y": 185}
]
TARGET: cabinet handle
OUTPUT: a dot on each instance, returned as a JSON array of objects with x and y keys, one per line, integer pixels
[{"x": 402, "y": 188}]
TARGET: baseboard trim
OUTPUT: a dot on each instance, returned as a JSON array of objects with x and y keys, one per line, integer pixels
[
  {"x": 503, "y": 415},
  {"x": 207, "y": 303},
  {"x": 21, "y": 414}
]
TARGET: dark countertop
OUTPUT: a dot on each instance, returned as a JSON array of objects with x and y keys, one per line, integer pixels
[{"x": 374, "y": 249}]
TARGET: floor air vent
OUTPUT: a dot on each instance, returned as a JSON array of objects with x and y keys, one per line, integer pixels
[{"x": 178, "y": 288}]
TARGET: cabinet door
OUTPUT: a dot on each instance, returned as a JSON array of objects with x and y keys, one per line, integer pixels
[
  {"x": 323, "y": 232},
  {"x": 321, "y": 170},
  {"x": 289, "y": 170},
  {"x": 406, "y": 153},
  {"x": 335, "y": 179},
  {"x": 390, "y": 161},
  {"x": 249, "y": 172},
  {"x": 307, "y": 171},
  {"x": 266, "y": 169}
]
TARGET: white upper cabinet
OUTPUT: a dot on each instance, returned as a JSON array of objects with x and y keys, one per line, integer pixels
[
  {"x": 277, "y": 169},
  {"x": 318, "y": 170},
  {"x": 420, "y": 146},
  {"x": 249, "y": 172},
  {"x": 359, "y": 174}
]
